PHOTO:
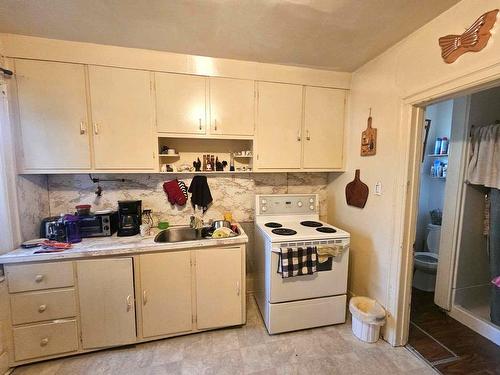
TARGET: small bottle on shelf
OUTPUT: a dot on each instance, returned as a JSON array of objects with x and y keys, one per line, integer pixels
[
  {"x": 437, "y": 146},
  {"x": 444, "y": 146}
]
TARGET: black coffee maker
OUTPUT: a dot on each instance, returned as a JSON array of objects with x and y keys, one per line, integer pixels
[{"x": 129, "y": 218}]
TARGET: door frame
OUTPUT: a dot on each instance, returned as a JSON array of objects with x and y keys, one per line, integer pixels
[{"x": 407, "y": 190}]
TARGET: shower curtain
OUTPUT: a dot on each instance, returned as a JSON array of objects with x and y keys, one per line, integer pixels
[
  {"x": 495, "y": 253},
  {"x": 484, "y": 169}
]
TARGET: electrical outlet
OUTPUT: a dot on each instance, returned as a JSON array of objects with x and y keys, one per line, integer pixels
[{"x": 378, "y": 188}]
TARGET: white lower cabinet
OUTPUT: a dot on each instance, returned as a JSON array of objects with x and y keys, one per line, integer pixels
[
  {"x": 46, "y": 339},
  {"x": 169, "y": 281},
  {"x": 166, "y": 293},
  {"x": 219, "y": 287},
  {"x": 106, "y": 293},
  {"x": 70, "y": 307}
]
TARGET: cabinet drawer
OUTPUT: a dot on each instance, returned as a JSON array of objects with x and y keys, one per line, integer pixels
[
  {"x": 45, "y": 339},
  {"x": 24, "y": 277},
  {"x": 38, "y": 306}
]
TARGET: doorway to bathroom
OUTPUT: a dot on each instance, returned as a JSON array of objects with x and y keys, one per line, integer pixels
[{"x": 453, "y": 319}]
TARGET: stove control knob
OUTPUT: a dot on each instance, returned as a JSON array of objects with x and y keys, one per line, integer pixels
[
  {"x": 264, "y": 208},
  {"x": 299, "y": 203},
  {"x": 311, "y": 200},
  {"x": 311, "y": 207},
  {"x": 263, "y": 201}
]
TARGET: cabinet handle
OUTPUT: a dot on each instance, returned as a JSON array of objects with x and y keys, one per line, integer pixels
[
  {"x": 199, "y": 121},
  {"x": 238, "y": 288},
  {"x": 129, "y": 302},
  {"x": 44, "y": 341},
  {"x": 96, "y": 128},
  {"x": 39, "y": 278},
  {"x": 308, "y": 137},
  {"x": 83, "y": 129},
  {"x": 144, "y": 296},
  {"x": 215, "y": 124},
  {"x": 42, "y": 308},
  {"x": 299, "y": 135}
]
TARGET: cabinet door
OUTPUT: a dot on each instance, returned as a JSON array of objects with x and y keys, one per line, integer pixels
[
  {"x": 106, "y": 294},
  {"x": 53, "y": 115},
  {"x": 122, "y": 115},
  {"x": 219, "y": 291},
  {"x": 180, "y": 103},
  {"x": 166, "y": 293},
  {"x": 324, "y": 128},
  {"x": 279, "y": 126},
  {"x": 232, "y": 106}
]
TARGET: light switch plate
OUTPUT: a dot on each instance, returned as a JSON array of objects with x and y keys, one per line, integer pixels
[{"x": 378, "y": 188}]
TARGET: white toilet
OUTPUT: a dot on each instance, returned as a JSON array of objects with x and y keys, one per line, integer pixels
[{"x": 426, "y": 262}]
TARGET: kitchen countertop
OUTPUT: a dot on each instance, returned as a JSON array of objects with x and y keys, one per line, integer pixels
[{"x": 109, "y": 246}]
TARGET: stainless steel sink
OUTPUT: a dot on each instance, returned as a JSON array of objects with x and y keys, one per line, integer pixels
[{"x": 178, "y": 234}]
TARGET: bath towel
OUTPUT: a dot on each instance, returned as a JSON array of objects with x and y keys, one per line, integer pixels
[{"x": 484, "y": 162}]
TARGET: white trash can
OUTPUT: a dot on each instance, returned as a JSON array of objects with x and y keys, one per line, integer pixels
[{"x": 367, "y": 318}]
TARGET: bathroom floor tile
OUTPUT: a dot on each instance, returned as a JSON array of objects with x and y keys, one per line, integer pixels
[{"x": 470, "y": 353}]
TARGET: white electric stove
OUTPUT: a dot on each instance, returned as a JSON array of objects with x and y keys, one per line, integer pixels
[{"x": 292, "y": 220}]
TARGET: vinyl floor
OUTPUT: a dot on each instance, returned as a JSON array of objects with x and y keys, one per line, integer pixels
[{"x": 245, "y": 350}]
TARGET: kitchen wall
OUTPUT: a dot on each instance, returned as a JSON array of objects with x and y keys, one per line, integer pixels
[
  {"x": 407, "y": 69},
  {"x": 33, "y": 203}
]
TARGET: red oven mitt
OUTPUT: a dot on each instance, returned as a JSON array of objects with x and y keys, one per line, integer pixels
[{"x": 174, "y": 192}]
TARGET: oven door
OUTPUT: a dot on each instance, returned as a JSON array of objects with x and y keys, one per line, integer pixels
[
  {"x": 320, "y": 284},
  {"x": 90, "y": 226}
]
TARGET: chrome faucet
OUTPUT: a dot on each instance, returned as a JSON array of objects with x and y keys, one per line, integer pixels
[{"x": 196, "y": 222}]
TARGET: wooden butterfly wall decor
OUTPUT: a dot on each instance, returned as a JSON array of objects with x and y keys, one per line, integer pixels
[{"x": 474, "y": 39}]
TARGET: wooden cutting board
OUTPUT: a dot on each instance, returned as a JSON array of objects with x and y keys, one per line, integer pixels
[
  {"x": 369, "y": 139},
  {"x": 356, "y": 192}
]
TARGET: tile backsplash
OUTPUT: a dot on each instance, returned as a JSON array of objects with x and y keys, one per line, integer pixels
[{"x": 234, "y": 193}]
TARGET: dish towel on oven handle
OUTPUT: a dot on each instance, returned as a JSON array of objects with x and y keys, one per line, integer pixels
[
  {"x": 297, "y": 261},
  {"x": 329, "y": 251}
]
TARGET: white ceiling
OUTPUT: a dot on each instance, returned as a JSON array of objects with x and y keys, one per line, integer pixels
[{"x": 329, "y": 34}]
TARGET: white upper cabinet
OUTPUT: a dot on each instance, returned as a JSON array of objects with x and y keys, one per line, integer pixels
[
  {"x": 52, "y": 115},
  {"x": 122, "y": 116},
  {"x": 74, "y": 117},
  {"x": 181, "y": 103},
  {"x": 323, "y": 135},
  {"x": 279, "y": 126},
  {"x": 299, "y": 128},
  {"x": 232, "y": 106}
]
